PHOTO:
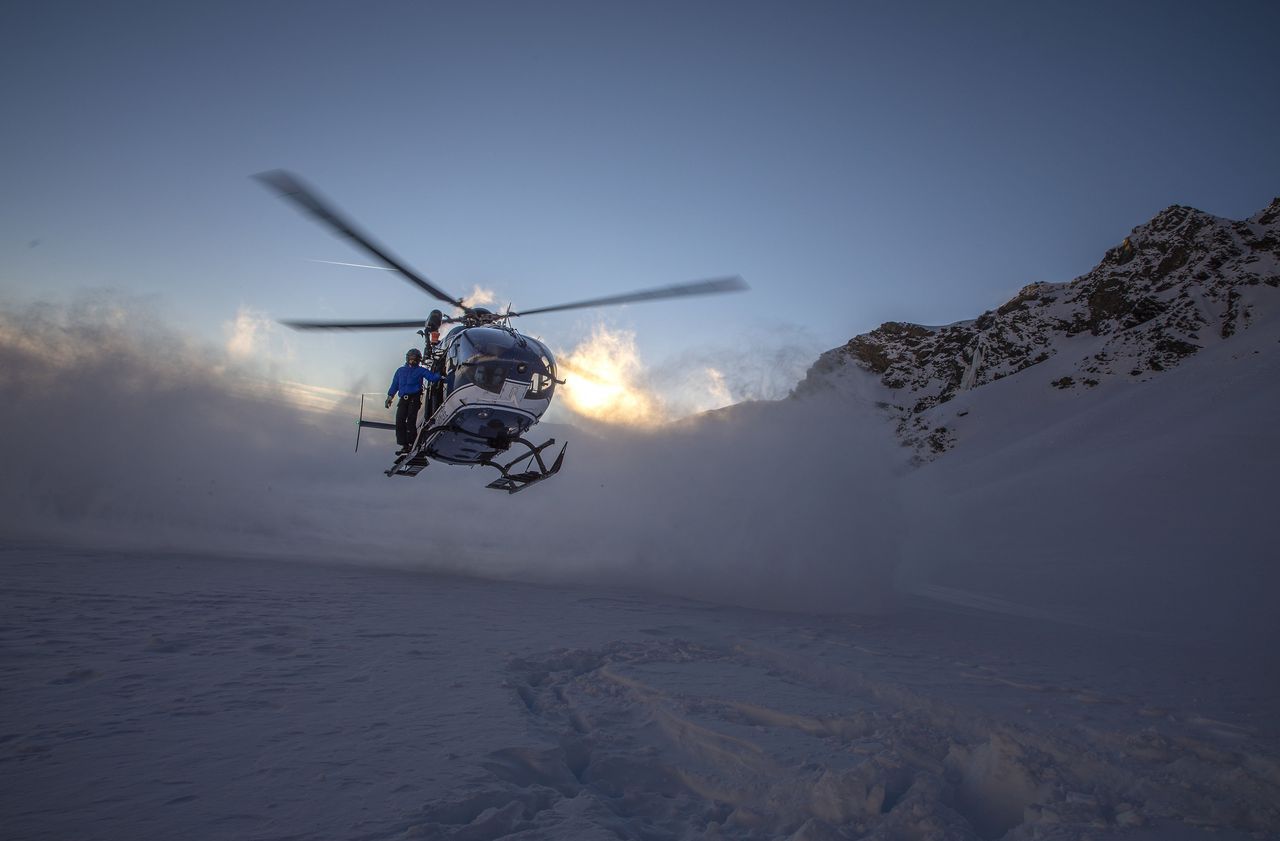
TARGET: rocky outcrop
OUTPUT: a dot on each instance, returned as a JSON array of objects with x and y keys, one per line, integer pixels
[{"x": 1174, "y": 285}]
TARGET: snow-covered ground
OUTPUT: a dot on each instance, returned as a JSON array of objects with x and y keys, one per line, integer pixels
[
  {"x": 217, "y": 622},
  {"x": 186, "y": 696}
]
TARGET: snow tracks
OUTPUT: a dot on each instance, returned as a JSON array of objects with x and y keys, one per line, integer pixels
[{"x": 669, "y": 739}]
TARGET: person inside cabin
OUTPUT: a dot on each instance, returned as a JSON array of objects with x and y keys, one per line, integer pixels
[{"x": 408, "y": 383}]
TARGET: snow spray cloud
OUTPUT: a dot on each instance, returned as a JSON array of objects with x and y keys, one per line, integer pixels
[
  {"x": 164, "y": 444},
  {"x": 119, "y": 432},
  {"x": 608, "y": 381},
  {"x": 787, "y": 505}
]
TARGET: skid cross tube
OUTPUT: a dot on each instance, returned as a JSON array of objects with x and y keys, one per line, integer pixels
[{"x": 514, "y": 482}]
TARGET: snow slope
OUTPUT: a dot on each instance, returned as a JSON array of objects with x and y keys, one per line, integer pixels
[{"x": 1141, "y": 505}]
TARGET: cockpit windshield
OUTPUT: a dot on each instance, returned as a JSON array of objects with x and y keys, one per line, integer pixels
[{"x": 489, "y": 356}]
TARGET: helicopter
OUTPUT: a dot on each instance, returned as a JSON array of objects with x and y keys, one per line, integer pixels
[{"x": 495, "y": 382}]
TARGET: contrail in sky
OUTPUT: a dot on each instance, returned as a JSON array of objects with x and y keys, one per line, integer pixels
[{"x": 353, "y": 265}]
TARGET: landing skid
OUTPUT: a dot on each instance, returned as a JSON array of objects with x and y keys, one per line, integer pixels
[
  {"x": 513, "y": 482},
  {"x": 413, "y": 462},
  {"x": 532, "y": 467}
]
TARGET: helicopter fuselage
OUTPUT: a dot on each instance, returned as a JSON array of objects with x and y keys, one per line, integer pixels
[{"x": 496, "y": 385}]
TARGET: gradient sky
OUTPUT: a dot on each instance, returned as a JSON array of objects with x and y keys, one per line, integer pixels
[{"x": 856, "y": 162}]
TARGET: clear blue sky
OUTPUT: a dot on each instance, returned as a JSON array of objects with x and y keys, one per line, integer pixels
[{"x": 856, "y": 162}]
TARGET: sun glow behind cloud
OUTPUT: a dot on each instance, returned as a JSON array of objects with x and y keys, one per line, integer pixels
[{"x": 606, "y": 380}]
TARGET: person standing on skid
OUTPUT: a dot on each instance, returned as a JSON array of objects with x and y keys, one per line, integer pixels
[{"x": 407, "y": 381}]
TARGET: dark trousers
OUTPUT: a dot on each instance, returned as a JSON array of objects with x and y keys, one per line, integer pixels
[{"x": 407, "y": 419}]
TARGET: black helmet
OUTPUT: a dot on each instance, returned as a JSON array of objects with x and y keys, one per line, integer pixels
[{"x": 413, "y": 353}]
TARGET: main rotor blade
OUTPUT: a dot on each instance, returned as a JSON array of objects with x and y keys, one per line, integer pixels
[
  {"x": 290, "y": 187},
  {"x": 352, "y": 325},
  {"x": 676, "y": 290}
]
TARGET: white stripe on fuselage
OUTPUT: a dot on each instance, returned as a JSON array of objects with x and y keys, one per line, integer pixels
[{"x": 512, "y": 397}]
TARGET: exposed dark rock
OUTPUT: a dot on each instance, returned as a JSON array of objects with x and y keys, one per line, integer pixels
[
  {"x": 1233, "y": 313},
  {"x": 1168, "y": 346},
  {"x": 1107, "y": 301},
  {"x": 1175, "y": 259},
  {"x": 940, "y": 440},
  {"x": 869, "y": 353}
]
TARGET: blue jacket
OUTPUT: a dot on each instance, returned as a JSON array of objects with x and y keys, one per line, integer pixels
[{"x": 408, "y": 380}]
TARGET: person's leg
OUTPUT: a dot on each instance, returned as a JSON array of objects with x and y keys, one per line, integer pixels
[
  {"x": 403, "y": 424},
  {"x": 411, "y": 430}
]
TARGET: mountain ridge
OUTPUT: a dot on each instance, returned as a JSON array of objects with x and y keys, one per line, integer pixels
[{"x": 1181, "y": 282}]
